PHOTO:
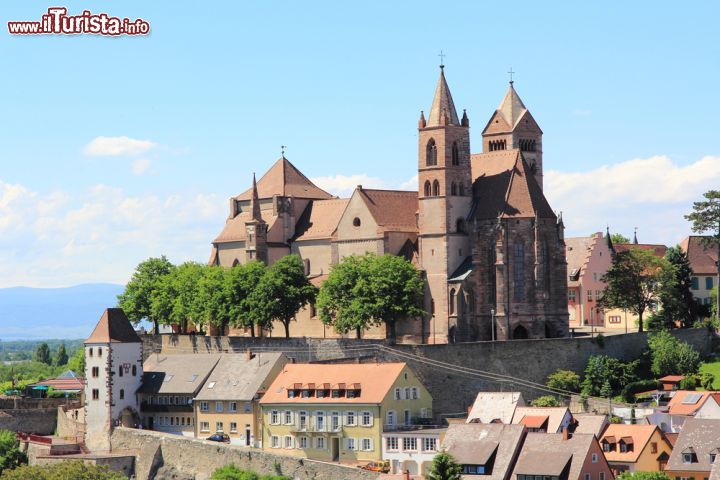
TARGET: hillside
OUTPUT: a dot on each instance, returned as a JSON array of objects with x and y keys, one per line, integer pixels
[{"x": 38, "y": 313}]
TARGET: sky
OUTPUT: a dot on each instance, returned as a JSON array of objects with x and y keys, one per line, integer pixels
[{"x": 115, "y": 149}]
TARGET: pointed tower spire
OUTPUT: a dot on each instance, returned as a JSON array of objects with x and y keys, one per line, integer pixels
[
  {"x": 442, "y": 111},
  {"x": 635, "y": 237},
  {"x": 255, "y": 201},
  {"x": 422, "y": 122},
  {"x": 511, "y": 107},
  {"x": 608, "y": 240}
]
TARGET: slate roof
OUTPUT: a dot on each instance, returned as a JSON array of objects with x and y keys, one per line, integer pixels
[
  {"x": 320, "y": 219},
  {"x": 490, "y": 406},
  {"x": 374, "y": 379},
  {"x": 504, "y": 187},
  {"x": 555, "y": 415},
  {"x": 182, "y": 373},
  {"x": 702, "y": 258},
  {"x": 442, "y": 105},
  {"x": 640, "y": 435},
  {"x": 475, "y": 443},
  {"x": 393, "y": 210},
  {"x": 463, "y": 271},
  {"x": 549, "y": 454},
  {"x": 703, "y": 436},
  {"x": 284, "y": 179},
  {"x": 237, "y": 378},
  {"x": 113, "y": 327}
]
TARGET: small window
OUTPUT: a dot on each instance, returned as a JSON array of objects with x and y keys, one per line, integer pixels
[
  {"x": 303, "y": 442},
  {"x": 90, "y": 351},
  {"x": 436, "y": 188},
  {"x": 204, "y": 406},
  {"x": 320, "y": 443},
  {"x": 453, "y": 188},
  {"x": 367, "y": 419},
  {"x": 99, "y": 352},
  {"x": 122, "y": 394},
  {"x": 95, "y": 371},
  {"x": 708, "y": 283},
  {"x": 218, "y": 406},
  {"x": 95, "y": 394},
  {"x": 120, "y": 371},
  {"x": 275, "y": 441},
  {"x": 694, "y": 284},
  {"x": 427, "y": 190},
  {"x": 356, "y": 222},
  {"x": 594, "y": 458},
  {"x": 134, "y": 370}
]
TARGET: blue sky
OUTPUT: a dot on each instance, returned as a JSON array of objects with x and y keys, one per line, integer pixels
[{"x": 625, "y": 93}]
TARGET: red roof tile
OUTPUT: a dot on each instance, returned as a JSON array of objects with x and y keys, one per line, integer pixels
[
  {"x": 701, "y": 257},
  {"x": 113, "y": 327},
  {"x": 285, "y": 179}
]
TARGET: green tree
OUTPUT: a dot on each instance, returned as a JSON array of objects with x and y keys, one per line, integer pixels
[
  {"x": 282, "y": 291},
  {"x": 232, "y": 472},
  {"x": 42, "y": 354},
  {"x": 602, "y": 372},
  {"x": 137, "y": 299},
  {"x": 670, "y": 356},
  {"x": 678, "y": 302},
  {"x": 642, "y": 476},
  {"x": 545, "y": 401},
  {"x": 619, "y": 238},
  {"x": 75, "y": 469},
  {"x": 705, "y": 219},
  {"x": 211, "y": 302},
  {"x": 173, "y": 301},
  {"x": 444, "y": 467},
  {"x": 77, "y": 362},
  {"x": 240, "y": 282},
  {"x": 566, "y": 380},
  {"x": 61, "y": 357},
  {"x": 635, "y": 281},
  {"x": 10, "y": 454},
  {"x": 370, "y": 290}
]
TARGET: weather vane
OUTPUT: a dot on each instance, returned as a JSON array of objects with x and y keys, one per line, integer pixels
[
  {"x": 442, "y": 59},
  {"x": 511, "y": 75}
]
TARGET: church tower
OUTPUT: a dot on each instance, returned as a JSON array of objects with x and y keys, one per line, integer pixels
[
  {"x": 256, "y": 230},
  {"x": 512, "y": 126},
  {"x": 445, "y": 196}
]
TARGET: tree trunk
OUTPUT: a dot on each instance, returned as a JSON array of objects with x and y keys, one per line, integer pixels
[
  {"x": 358, "y": 333},
  {"x": 286, "y": 323},
  {"x": 640, "y": 321},
  {"x": 156, "y": 325},
  {"x": 391, "y": 331},
  {"x": 252, "y": 329}
]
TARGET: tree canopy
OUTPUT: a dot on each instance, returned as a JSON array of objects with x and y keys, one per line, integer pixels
[
  {"x": 42, "y": 354},
  {"x": 10, "y": 454},
  {"x": 635, "y": 281},
  {"x": 444, "y": 467},
  {"x": 232, "y": 472},
  {"x": 545, "y": 401},
  {"x": 642, "y": 476},
  {"x": 282, "y": 291},
  {"x": 61, "y": 357},
  {"x": 670, "y": 356},
  {"x": 566, "y": 380},
  {"x": 605, "y": 376},
  {"x": 137, "y": 299},
  {"x": 240, "y": 282},
  {"x": 76, "y": 470},
  {"x": 367, "y": 290},
  {"x": 619, "y": 238}
]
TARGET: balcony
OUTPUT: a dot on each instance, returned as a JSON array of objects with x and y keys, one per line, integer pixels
[
  {"x": 146, "y": 407},
  {"x": 312, "y": 429}
]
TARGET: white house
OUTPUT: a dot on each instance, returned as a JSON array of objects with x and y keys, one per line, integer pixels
[
  {"x": 113, "y": 370},
  {"x": 411, "y": 450}
]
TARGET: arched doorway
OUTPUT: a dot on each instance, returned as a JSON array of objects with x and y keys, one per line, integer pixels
[
  {"x": 410, "y": 466},
  {"x": 520, "y": 333}
]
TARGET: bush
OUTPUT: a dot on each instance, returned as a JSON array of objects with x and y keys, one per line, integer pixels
[
  {"x": 232, "y": 472},
  {"x": 564, "y": 380},
  {"x": 606, "y": 376},
  {"x": 545, "y": 401},
  {"x": 631, "y": 389},
  {"x": 688, "y": 383},
  {"x": 76, "y": 470},
  {"x": 642, "y": 476},
  {"x": 10, "y": 454},
  {"x": 670, "y": 356}
]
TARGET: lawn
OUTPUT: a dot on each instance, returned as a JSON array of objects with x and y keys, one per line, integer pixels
[{"x": 714, "y": 368}]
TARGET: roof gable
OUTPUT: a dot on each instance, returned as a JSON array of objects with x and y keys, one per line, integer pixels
[
  {"x": 320, "y": 219},
  {"x": 284, "y": 179},
  {"x": 113, "y": 327}
]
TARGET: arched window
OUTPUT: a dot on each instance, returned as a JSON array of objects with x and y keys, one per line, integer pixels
[
  {"x": 455, "y": 154},
  {"x": 452, "y": 301},
  {"x": 518, "y": 267},
  {"x": 461, "y": 189},
  {"x": 436, "y": 188},
  {"x": 431, "y": 153},
  {"x": 460, "y": 225},
  {"x": 134, "y": 370},
  {"x": 356, "y": 222},
  {"x": 453, "y": 189},
  {"x": 428, "y": 190}
]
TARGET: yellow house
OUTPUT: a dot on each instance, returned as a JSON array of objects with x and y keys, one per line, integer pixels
[
  {"x": 228, "y": 401},
  {"x": 339, "y": 412},
  {"x": 635, "y": 448}
]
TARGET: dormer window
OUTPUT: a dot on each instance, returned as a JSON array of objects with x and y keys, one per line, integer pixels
[
  {"x": 689, "y": 456},
  {"x": 713, "y": 456}
]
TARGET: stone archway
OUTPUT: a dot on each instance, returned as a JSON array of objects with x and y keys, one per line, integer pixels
[
  {"x": 520, "y": 333},
  {"x": 129, "y": 418}
]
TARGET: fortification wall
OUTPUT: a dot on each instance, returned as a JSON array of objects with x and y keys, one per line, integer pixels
[
  {"x": 189, "y": 458},
  {"x": 38, "y": 421},
  {"x": 452, "y": 389}
]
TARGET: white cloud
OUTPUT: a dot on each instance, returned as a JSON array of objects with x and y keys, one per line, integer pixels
[
  {"x": 344, "y": 185},
  {"x": 140, "y": 166},
  {"x": 117, "y": 146},
  {"x": 652, "y": 194},
  {"x": 56, "y": 239}
]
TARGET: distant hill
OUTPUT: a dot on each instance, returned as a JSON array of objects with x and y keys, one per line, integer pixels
[{"x": 40, "y": 313}]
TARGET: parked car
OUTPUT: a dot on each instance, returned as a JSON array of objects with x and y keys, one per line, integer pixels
[
  {"x": 382, "y": 467},
  {"x": 219, "y": 437}
]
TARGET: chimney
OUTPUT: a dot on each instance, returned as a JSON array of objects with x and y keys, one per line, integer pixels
[
  {"x": 565, "y": 434},
  {"x": 249, "y": 355}
]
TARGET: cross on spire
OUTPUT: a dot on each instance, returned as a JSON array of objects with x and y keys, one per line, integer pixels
[
  {"x": 282, "y": 150},
  {"x": 511, "y": 75},
  {"x": 442, "y": 59}
]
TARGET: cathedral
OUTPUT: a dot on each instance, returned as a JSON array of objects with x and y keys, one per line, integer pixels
[{"x": 479, "y": 229}]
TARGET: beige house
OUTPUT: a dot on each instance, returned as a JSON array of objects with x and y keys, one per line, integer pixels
[
  {"x": 479, "y": 227},
  {"x": 169, "y": 385},
  {"x": 228, "y": 401},
  {"x": 588, "y": 259}
]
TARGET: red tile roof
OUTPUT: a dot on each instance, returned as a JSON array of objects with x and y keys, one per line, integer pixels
[
  {"x": 393, "y": 210},
  {"x": 701, "y": 257},
  {"x": 285, "y": 179},
  {"x": 686, "y": 402},
  {"x": 113, "y": 327},
  {"x": 535, "y": 421},
  {"x": 320, "y": 219}
]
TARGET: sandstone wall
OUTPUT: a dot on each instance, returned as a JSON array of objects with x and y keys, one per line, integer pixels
[
  {"x": 38, "y": 421},
  {"x": 452, "y": 390},
  {"x": 156, "y": 453}
]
